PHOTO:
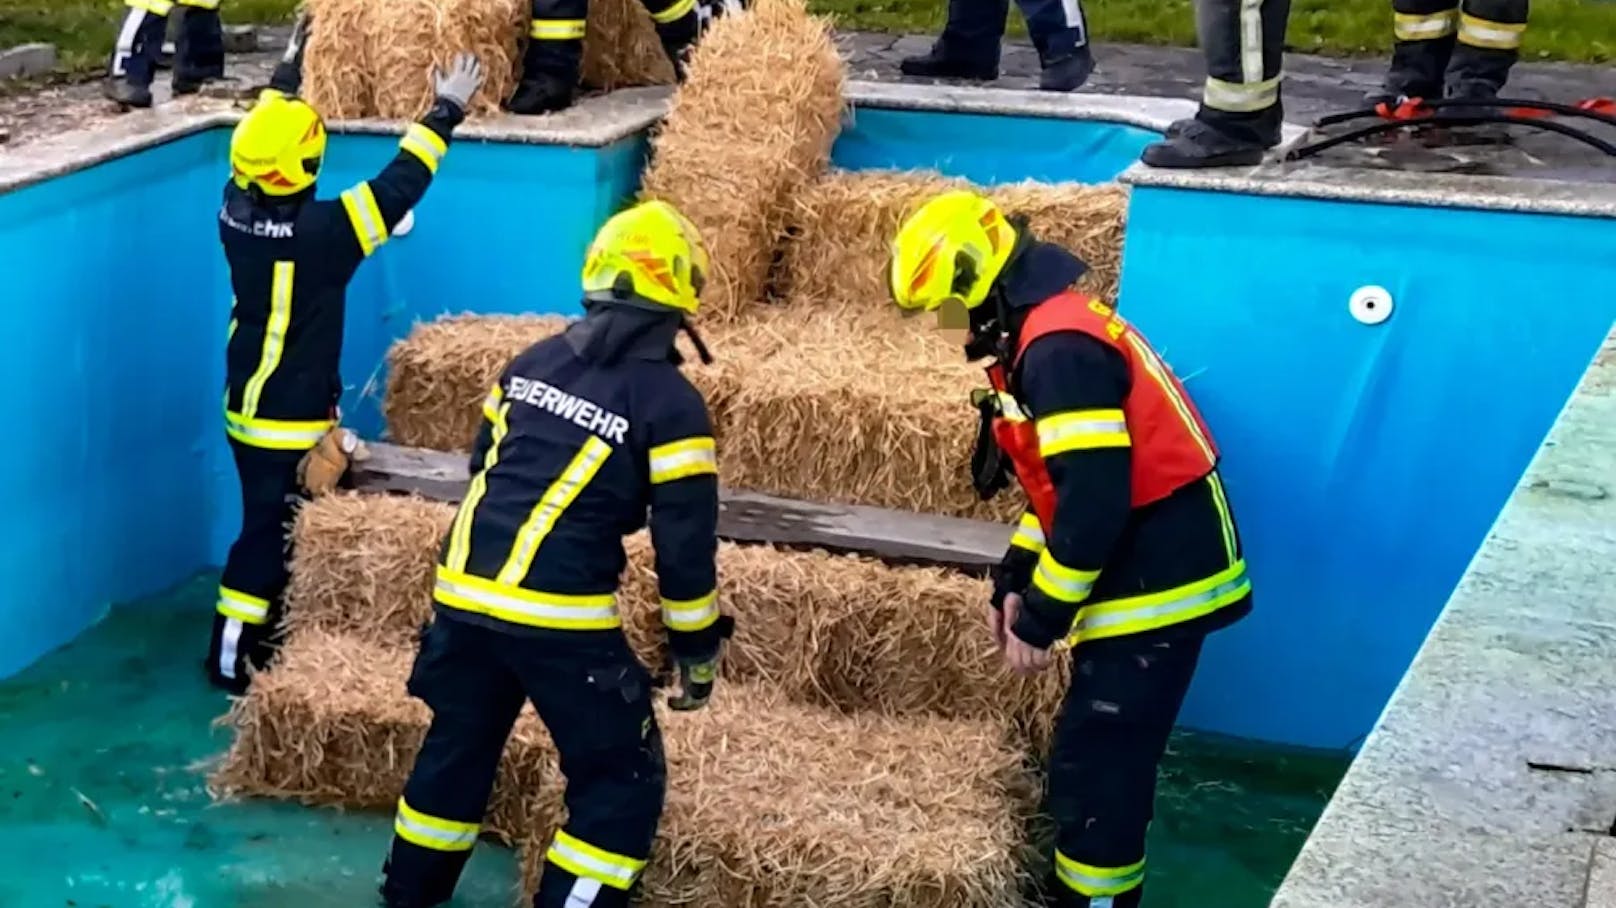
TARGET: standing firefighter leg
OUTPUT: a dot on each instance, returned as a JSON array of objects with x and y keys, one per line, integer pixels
[
  {"x": 1489, "y": 41},
  {"x": 1424, "y": 31},
  {"x": 134, "y": 58},
  {"x": 1060, "y": 33},
  {"x": 1241, "y": 113},
  {"x": 554, "y": 52},
  {"x": 969, "y": 45},
  {"x": 199, "y": 52},
  {"x": 678, "y": 22},
  {"x": 1113, "y": 729},
  {"x": 595, "y": 698},
  {"x": 475, "y": 700},
  {"x": 254, "y": 578}
]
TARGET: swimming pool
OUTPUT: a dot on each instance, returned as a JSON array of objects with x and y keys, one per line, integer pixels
[{"x": 1365, "y": 461}]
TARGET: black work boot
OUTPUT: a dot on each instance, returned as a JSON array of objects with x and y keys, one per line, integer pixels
[
  {"x": 540, "y": 94},
  {"x": 935, "y": 64},
  {"x": 1415, "y": 72},
  {"x": 1067, "y": 73},
  {"x": 1480, "y": 133},
  {"x": 1190, "y": 144},
  {"x": 127, "y": 94}
]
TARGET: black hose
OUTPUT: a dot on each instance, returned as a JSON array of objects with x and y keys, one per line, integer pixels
[
  {"x": 1392, "y": 125},
  {"x": 1569, "y": 110}
]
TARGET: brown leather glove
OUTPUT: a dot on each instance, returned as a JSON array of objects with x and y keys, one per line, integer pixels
[{"x": 323, "y": 467}]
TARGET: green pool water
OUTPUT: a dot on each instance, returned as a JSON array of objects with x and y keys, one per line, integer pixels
[{"x": 102, "y": 801}]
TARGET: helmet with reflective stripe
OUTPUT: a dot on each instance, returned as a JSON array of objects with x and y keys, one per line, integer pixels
[
  {"x": 649, "y": 254},
  {"x": 278, "y": 145},
  {"x": 953, "y": 247}
]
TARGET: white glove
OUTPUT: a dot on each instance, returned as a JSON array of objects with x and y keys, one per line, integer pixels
[{"x": 461, "y": 80}]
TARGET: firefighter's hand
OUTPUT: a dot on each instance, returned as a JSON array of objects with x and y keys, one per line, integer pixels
[
  {"x": 999, "y": 619},
  {"x": 696, "y": 680},
  {"x": 322, "y": 468},
  {"x": 1022, "y": 657},
  {"x": 460, "y": 81}
]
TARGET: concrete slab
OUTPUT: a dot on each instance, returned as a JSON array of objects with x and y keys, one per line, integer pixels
[
  {"x": 27, "y": 60},
  {"x": 1491, "y": 776},
  {"x": 1602, "y": 876}
]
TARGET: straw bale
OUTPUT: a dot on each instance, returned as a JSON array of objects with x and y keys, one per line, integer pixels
[
  {"x": 775, "y": 804},
  {"x": 752, "y": 125},
  {"x": 330, "y": 723},
  {"x": 844, "y": 632},
  {"x": 363, "y": 566},
  {"x": 377, "y": 57},
  {"x": 856, "y": 408},
  {"x": 438, "y": 375},
  {"x": 843, "y": 225},
  {"x": 621, "y": 47}
]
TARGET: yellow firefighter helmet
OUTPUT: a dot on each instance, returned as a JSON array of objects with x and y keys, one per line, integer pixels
[
  {"x": 952, "y": 248},
  {"x": 278, "y": 145},
  {"x": 650, "y": 252}
]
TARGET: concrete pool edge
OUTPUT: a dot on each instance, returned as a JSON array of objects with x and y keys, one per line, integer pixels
[
  {"x": 1390, "y": 187},
  {"x": 1490, "y": 778},
  {"x": 595, "y": 122}
]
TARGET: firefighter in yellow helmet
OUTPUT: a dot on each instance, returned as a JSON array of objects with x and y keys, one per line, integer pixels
[
  {"x": 1128, "y": 552},
  {"x": 586, "y": 437},
  {"x": 291, "y": 257}
]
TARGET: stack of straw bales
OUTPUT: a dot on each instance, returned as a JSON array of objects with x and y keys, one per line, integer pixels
[
  {"x": 752, "y": 125},
  {"x": 846, "y": 633},
  {"x": 769, "y": 803},
  {"x": 375, "y": 58}
]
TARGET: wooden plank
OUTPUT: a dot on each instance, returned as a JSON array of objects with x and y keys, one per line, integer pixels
[{"x": 899, "y": 537}]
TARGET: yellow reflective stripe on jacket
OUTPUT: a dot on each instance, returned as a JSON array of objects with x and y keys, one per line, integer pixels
[
  {"x": 1029, "y": 533},
  {"x": 582, "y": 859},
  {"x": 1158, "y": 373},
  {"x": 550, "y": 506},
  {"x": 690, "y": 614},
  {"x": 432, "y": 832},
  {"x": 1095, "y": 881},
  {"x": 244, "y": 607},
  {"x": 674, "y": 13},
  {"x": 425, "y": 144},
  {"x": 277, "y": 434},
  {"x": 200, "y": 4},
  {"x": 460, "y": 532},
  {"x": 1081, "y": 430},
  {"x": 1478, "y": 32},
  {"x": 1225, "y": 521},
  {"x": 155, "y": 7},
  {"x": 533, "y": 608},
  {"x": 1424, "y": 26},
  {"x": 496, "y": 396},
  {"x": 366, "y": 217},
  {"x": 1240, "y": 97},
  {"x": 686, "y": 457},
  {"x": 280, "y": 318},
  {"x": 1153, "y": 611},
  {"x": 1061, "y": 583},
  {"x": 557, "y": 29}
]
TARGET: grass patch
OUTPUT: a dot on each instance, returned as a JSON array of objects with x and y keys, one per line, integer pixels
[{"x": 1572, "y": 30}]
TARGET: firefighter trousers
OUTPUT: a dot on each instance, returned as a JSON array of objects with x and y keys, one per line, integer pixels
[
  {"x": 1243, "y": 42},
  {"x": 1121, "y": 706},
  {"x": 246, "y": 621},
  {"x": 593, "y": 696},
  {"x": 1463, "y": 48},
  {"x": 974, "y": 29},
  {"x": 556, "y": 44},
  {"x": 198, "y": 52}
]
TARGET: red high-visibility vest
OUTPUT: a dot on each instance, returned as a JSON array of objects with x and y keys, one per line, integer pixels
[{"x": 1172, "y": 446}]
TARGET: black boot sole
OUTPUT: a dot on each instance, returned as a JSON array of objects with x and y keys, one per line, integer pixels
[{"x": 963, "y": 75}]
